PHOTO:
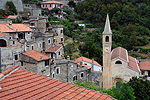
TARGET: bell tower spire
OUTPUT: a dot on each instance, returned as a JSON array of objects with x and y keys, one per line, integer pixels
[
  {"x": 107, "y": 29},
  {"x": 107, "y": 43}
]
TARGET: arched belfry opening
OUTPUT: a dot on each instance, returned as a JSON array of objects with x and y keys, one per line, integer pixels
[
  {"x": 107, "y": 38},
  {"x": 3, "y": 43}
]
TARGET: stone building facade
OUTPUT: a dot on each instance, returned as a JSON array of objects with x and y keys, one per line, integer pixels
[
  {"x": 68, "y": 71},
  {"x": 34, "y": 61},
  {"x": 9, "y": 56}
]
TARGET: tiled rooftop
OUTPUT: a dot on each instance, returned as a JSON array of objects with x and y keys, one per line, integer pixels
[
  {"x": 119, "y": 52},
  {"x": 2, "y": 34},
  {"x": 21, "y": 85},
  {"x": 15, "y": 28},
  {"x": 144, "y": 65},
  {"x": 36, "y": 55},
  {"x": 12, "y": 16},
  {"x": 51, "y": 2},
  {"x": 53, "y": 49},
  {"x": 133, "y": 63},
  {"x": 85, "y": 59}
]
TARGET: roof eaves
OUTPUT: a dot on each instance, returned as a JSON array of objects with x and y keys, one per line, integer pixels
[
  {"x": 9, "y": 73},
  {"x": 58, "y": 49}
]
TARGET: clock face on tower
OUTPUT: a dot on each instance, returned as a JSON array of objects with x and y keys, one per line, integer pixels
[{"x": 107, "y": 49}]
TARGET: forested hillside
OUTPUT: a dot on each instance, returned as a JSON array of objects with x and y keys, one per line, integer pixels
[{"x": 130, "y": 19}]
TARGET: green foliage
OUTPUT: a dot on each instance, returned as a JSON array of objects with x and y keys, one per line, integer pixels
[
  {"x": 68, "y": 11},
  {"x": 141, "y": 88},
  {"x": 89, "y": 85},
  {"x": 55, "y": 10},
  {"x": 125, "y": 92},
  {"x": 30, "y": 1},
  {"x": 89, "y": 25},
  {"x": 11, "y": 7},
  {"x": 18, "y": 20},
  {"x": 71, "y": 4}
]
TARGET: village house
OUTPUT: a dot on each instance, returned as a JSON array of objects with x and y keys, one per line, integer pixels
[
  {"x": 94, "y": 68},
  {"x": 34, "y": 61},
  {"x": 90, "y": 62},
  {"x": 51, "y": 4},
  {"x": 69, "y": 71},
  {"x": 27, "y": 85},
  {"x": 38, "y": 25},
  {"x": 58, "y": 34},
  {"x": 145, "y": 69},
  {"x": 55, "y": 52},
  {"x": 17, "y": 33}
]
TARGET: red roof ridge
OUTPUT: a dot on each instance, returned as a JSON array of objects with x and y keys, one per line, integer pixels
[{"x": 7, "y": 71}]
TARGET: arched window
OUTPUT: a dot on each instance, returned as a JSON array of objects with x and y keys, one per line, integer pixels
[
  {"x": 107, "y": 38},
  {"x": 118, "y": 62}
]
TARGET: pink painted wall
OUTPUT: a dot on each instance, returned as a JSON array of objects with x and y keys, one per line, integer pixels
[{"x": 52, "y": 6}]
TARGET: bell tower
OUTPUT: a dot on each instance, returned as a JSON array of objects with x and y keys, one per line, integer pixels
[{"x": 107, "y": 43}]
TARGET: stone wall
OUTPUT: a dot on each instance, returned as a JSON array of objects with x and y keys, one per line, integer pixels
[
  {"x": 8, "y": 56},
  {"x": 5, "y": 21},
  {"x": 122, "y": 71}
]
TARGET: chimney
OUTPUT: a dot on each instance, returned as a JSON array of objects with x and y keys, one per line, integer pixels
[
  {"x": 10, "y": 25},
  {"x": 41, "y": 57},
  {"x": 68, "y": 57},
  {"x": 92, "y": 64}
]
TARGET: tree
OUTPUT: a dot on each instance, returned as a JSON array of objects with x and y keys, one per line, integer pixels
[
  {"x": 125, "y": 92},
  {"x": 11, "y": 7},
  {"x": 71, "y": 4},
  {"x": 141, "y": 88}
]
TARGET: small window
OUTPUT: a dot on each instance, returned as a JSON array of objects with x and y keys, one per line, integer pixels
[
  {"x": 118, "y": 62},
  {"x": 53, "y": 75},
  {"x": 16, "y": 57},
  {"x": 10, "y": 37},
  {"x": 46, "y": 5},
  {"x": 143, "y": 73},
  {"x": 43, "y": 5},
  {"x": 107, "y": 39},
  {"x": 74, "y": 78},
  {"x": 21, "y": 63},
  {"x": 54, "y": 40},
  {"x": 46, "y": 62},
  {"x": 50, "y": 5},
  {"x": 49, "y": 41},
  {"x": 13, "y": 42},
  {"x": 59, "y": 53},
  {"x": 61, "y": 31},
  {"x": 81, "y": 75},
  {"x": 32, "y": 47},
  {"x": 57, "y": 70},
  {"x": 61, "y": 38}
]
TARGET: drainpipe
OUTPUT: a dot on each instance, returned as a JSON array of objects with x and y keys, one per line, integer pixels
[{"x": 92, "y": 64}]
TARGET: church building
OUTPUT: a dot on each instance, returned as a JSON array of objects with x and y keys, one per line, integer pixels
[{"x": 117, "y": 64}]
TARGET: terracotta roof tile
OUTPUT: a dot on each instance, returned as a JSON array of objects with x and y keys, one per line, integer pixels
[
  {"x": 53, "y": 49},
  {"x": 133, "y": 63},
  {"x": 15, "y": 28},
  {"x": 144, "y": 65},
  {"x": 22, "y": 84},
  {"x": 2, "y": 34},
  {"x": 12, "y": 16},
  {"x": 119, "y": 52},
  {"x": 36, "y": 55},
  {"x": 51, "y": 2},
  {"x": 86, "y": 59}
]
